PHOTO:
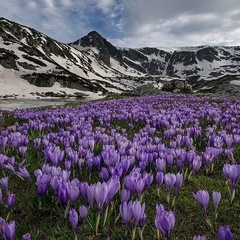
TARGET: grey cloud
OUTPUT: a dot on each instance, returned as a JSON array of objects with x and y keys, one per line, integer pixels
[
  {"x": 185, "y": 22},
  {"x": 132, "y": 23}
]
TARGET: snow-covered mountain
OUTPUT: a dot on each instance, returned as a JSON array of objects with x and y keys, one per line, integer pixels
[
  {"x": 200, "y": 62},
  {"x": 92, "y": 65}
]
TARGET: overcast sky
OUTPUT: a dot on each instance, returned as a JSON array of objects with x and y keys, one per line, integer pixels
[{"x": 132, "y": 23}]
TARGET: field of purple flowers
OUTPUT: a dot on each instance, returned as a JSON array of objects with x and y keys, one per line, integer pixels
[{"x": 158, "y": 167}]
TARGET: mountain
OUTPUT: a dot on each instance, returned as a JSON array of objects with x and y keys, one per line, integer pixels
[{"x": 93, "y": 66}]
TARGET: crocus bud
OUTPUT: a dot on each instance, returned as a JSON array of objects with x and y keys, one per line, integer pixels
[
  {"x": 83, "y": 212},
  {"x": 125, "y": 195},
  {"x": 224, "y": 233},
  {"x": 169, "y": 179},
  {"x": 178, "y": 183},
  {"x": 137, "y": 211},
  {"x": 165, "y": 221},
  {"x": 26, "y": 236},
  {"x": 4, "y": 183},
  {"x": 73, "y": 218},
  {"x": 199, "y": 238},
  {"x": 216, "y": 199},
  {"x": 159, "y": 178},
  {"x": 8, "y": 229},
  {"x": 11, "y": 197},
  {"x": 126, "y": 213},
  {"x": 22, "y": 171},
  {"x": 202, "y": 197}
]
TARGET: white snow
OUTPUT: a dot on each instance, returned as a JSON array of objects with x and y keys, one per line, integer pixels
[
  {"x": 12, "y": 84},
  {"x": 235, "y": 82}
]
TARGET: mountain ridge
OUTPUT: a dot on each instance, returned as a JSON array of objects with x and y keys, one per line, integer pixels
[{"x": 92, "y": 64}]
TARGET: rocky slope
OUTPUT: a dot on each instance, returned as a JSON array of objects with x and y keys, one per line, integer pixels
[
  {"x": 92, "y": 64},
  {"x": 186, "y": 62}
]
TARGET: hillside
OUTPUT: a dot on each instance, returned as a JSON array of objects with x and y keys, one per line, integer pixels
[{"x": 31, "y": 62}]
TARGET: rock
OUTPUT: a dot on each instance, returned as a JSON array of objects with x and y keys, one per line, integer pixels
[{"x": 177, "y": 86}]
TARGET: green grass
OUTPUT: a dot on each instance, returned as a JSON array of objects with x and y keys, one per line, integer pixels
[{"x": 44, "y": 217}]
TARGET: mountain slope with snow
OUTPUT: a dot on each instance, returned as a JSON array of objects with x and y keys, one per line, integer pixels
[{"x": 93, "y": 66}]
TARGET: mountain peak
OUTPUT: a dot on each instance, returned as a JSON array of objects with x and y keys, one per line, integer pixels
[
  {"x": 92, "y": 39},
  {"x": 94, "y": 34}
]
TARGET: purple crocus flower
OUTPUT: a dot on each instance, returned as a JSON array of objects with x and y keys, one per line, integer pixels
[
  {"x": 113, "y": 186},
  {"x": 55, "y": 156},
  {"x": 148, "y": 178},
  {"x": 73, "y": 218},
  {"x": 37, "y": 143},
  {"x": 91, "y": 144},
  {"x": 42, "y": 182},
  {"x": 126, "y": 212},
  {"x": 104, "y": 174},
  {"x": 68, "y": 165},
  {"x": 11, "y": 198},
  {"x": 137, "y": 211},
  {"x": 159, "y": 178},
  {"x": 26, "y": 236},
  {"x": 140, "y": 184},
  {"x": 165, "y": 221},
  {"x": 160, "y": 164},
  {"x": 22, "y": 150},
  {"x": 202, "y": 197},
  {"x": 216, "y": 199},
  {"x": 73, "y": 192},
  {"x": 196, "y": 164},
  {"x": 178, "y": 182},
  {"x": 83, "y": 212},
  {"x": 125, "y": 195},
  {"x": 169, "y": 179},
  {"x": 130, "y": 183},
  {"x": 199, "y": 237},
  {"x": 1, "y": 200},
  {"x": 62, "y": 196},
  {"x": 159, "y": 209},
  {"x": 87, "y": 192},
  {"x": 4, "y": 183},
  {"x": 3, "y": 141},
  {"x": 232, "y": 172},
  {"x": 224, "y": 233},
  {"x": 143, "y": 220},
  {"x": 22, "y": 171},
  {"x": 100, "y": 194},
  {"x": 8, "y": 229}
]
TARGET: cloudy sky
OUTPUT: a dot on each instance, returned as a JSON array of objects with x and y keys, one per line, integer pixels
[{"x": 132, "y": 23}]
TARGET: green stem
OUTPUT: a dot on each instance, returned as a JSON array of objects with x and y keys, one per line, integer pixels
[
  {"x": 158, "y": 235},
  {"x": 189, "y": 176},
  {"x": 116, "y": 219},
  {"x": 105, "y": 216},
  {"x": 66, "y": 209},
  {"x": 212, "y": 168},
  {"x": 8, "y": 216},
  {"x": 97, "y": 224},
  {"x": 232, "y": 196},
  {"x": 185, "y": 174},
  {"x": 40, "y": 203},
  {"x": 141, "y": 233},
  {"x": 173, "y": 201},
  {"x": 133, "y": 233},
  {"x": 168, "y": 197}
]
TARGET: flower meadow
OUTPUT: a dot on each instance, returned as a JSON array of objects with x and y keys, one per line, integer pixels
[{"x": 156, "y": 167}]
